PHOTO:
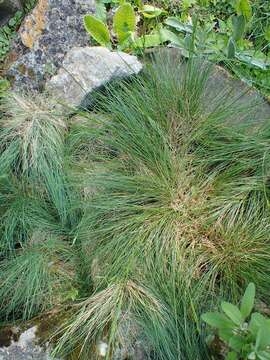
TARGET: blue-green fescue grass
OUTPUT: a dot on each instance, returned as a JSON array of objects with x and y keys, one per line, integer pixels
[
  {"x": 103, "y": 315},
  {"x": 22, "y": 213},
  {"x": 240, "y": 164},
  {"x": 32, "y": 145},
  {"x": 168, "y": 209},
  {"x": 177, "y": 202},
  {"x": 181, "y": 297},
  {"x": 35, "y": 278},
  {"x": 36, "y": 216}
]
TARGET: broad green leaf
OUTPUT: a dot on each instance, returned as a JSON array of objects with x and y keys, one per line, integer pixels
[
  {"x": 127, "y": 41},
  {"x": 243, "y": 7},
  {"x": 236, "y": 343},
  {"x": 256, "y": 322},
  {"x": 217, "y": 320},
  {"x": 178, "y": 25},
  {"x": 98, "y": 30},
  {"x": 263, "y": 336},
  {"x": 231, "y": 49},
  {"x": 167, "y": 35},
  {"x": 148, "y": 41},
  {"x": 124, "y": 21},
  {"x": 247, "y": 302},
  {"x": 253, "y": 61},
  {"x": 239, "y": 24},
  {"x": 232, "y": 312},
  {"x": 232, "y": 355},
  {"x": 225, "y": 334},
  {"x": 151, "y": 12}
]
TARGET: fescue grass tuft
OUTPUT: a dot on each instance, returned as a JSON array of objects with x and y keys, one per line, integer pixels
[
  {"x": 32, "y": 146},
  {"x": 179, "y": 194},
  {"x": 35, "y": 278},
  {"x": 161, "y": 192}
]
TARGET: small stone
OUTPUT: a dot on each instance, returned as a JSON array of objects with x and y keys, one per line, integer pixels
[
  {"x": 27, "y": 337},
  {"x": 102, "y": 348},
  {"x": 87, "y": 68}
]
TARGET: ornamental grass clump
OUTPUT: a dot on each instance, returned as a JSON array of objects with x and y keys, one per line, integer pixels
[
  {"x": 35, "y": 278},
  {"x": 32, "y": 146},
  {"x": 161, "y": 192},
  {"x": 36, "y": 259}
]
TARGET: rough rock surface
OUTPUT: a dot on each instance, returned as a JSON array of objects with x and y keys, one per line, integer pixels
[
  {"x": 221, "y": 81},
  {"x": 46, "y": 34},
  {"x": 87, "y": 68},
  {"x": 24, "y": 348}
]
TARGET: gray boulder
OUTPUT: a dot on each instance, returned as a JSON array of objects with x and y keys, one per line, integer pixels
[
  {"x": 250, "y": 98},
  {"x": 222, "y": 83},
  {"x": 11, "y": 4},
  {"x": 87, "y": 68},
  {"x": 46, "y": 34},
  {"x": 8, "y": 9}
]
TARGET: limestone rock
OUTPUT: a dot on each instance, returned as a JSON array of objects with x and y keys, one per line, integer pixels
[
  {"x": 25, "y": 348},
  {"x": 46, "y": 34},
  {"x": 87, "y": 68}
]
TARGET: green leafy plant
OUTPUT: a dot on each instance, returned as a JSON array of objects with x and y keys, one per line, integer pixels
[
  {"x": 124, "y": 26},
  {"x": 28, "y": 5},
  {"x": 232, "y": 32},
  {"x": 228, "y": 42},
  {"x": 246, "y": 334},
  {"x": 7, "y": 33},
  {"x": 243, "y": 7}
]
